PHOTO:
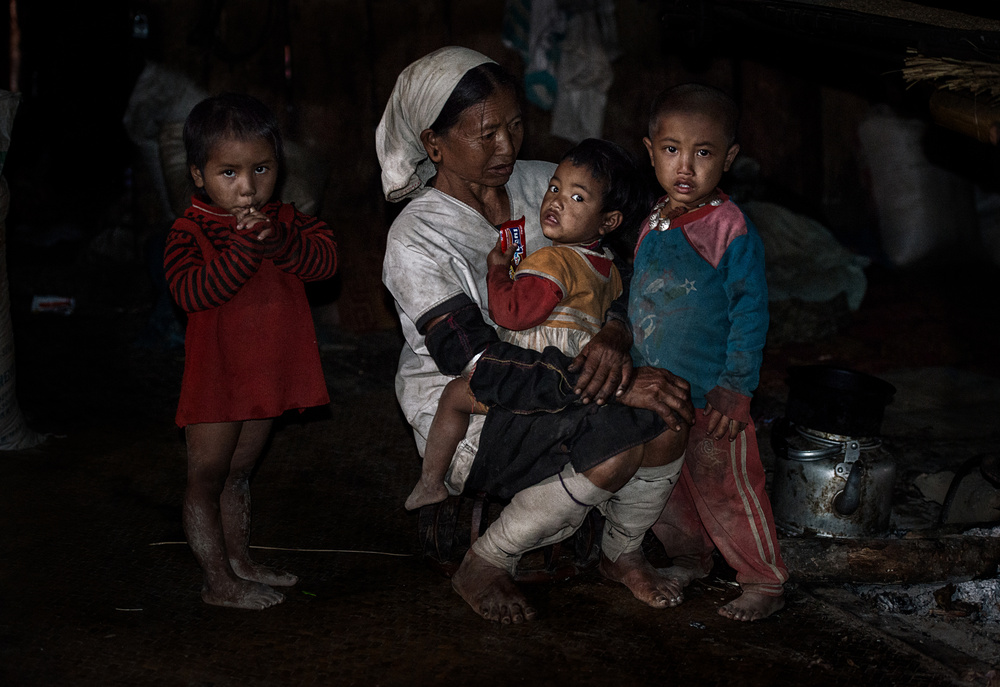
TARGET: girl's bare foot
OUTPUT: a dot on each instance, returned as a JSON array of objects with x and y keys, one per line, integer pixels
[
  {"x": 490, "y": 591},
  {"x": 752, "y": 606},
  {"x": 425, "y": 493},
  {"x": 644, "y": 581},
  {"x": 253, "y": 596},
  {"x": 254, "y": 572}
]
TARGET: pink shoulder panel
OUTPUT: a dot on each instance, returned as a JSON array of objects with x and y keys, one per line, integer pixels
[{"x": 711, "y": 235}]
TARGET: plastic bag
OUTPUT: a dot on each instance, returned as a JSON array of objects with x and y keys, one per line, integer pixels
[{"x": 921, "y": 207}]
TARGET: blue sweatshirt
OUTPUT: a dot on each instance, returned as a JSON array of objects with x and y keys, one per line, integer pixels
[{"x": 698, "y": 304}]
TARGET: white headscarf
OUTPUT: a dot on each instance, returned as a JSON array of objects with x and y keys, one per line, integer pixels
[{"x": 420, "y": 92}]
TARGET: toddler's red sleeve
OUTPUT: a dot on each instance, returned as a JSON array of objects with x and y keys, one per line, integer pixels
[{"x": 521, "y": 303}]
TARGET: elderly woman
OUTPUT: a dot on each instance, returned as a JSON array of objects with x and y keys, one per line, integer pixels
[{"x": 612, "y": 437}]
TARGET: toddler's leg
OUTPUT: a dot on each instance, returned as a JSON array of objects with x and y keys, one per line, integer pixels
[
  {"x": 451, "y": 422},
  {"x": 236, "y": 510},
  {"x": 210, "y": 449}
]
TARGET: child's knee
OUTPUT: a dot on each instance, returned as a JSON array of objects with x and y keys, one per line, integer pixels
[{"x": 458, "y": 398}]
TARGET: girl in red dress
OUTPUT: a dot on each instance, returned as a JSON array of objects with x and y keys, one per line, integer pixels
[{"x": 236, "y": 263}]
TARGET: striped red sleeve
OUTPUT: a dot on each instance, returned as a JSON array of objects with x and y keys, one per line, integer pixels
[
  {"x": 309, "y": 251},
  {"x": 197, "y": 284}
]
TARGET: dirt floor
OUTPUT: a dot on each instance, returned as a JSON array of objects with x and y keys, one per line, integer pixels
[{"x": 98, "y": 588}]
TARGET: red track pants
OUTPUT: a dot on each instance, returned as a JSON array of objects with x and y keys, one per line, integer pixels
[{"x": 721, "y": 502}]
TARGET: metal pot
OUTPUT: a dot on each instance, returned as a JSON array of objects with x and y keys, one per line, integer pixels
[{"x": 836, "y": 400}]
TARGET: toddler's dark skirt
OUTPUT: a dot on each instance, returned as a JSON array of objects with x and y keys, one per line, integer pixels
[{"x": 517, "y": 450}]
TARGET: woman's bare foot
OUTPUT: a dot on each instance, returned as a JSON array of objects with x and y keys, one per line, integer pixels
[
  {"x": 425, "y": 493},
  {"x": 752, "y": 606},
  {"x": 490, "y": 591},
  {"x": 685, "y": 570},
  {"x": 241, "y": 594},
  {"x": 644, "y": 581},
  {"x": 248, "y": 570}
]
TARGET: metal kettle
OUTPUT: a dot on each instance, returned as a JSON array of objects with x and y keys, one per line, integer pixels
[
  {"x": 832, "y": 476},
  {"x": 830, "y": 485}
]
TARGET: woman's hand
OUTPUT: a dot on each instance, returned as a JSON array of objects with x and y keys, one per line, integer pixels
[
  {"x": 605, "y": 364},
  {"x": 664, "y": 393},
  {"x": 720, "y": 425}
]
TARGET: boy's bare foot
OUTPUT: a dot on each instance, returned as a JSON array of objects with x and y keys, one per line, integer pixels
[
  {"x": 644, "y": 581},
  {"x": 241, "y": 594},
  {"x": 248, "y": 570},
  {"x": 752, "y": 606},
  {"x": 425, "y": 493},
  {"x": 490, "y": 591}
]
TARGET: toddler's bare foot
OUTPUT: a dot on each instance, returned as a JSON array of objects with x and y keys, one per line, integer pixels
[
  {"x": 425, "y": 493},
  {"x": 752, "y": 606},
  {"x": 249, "y": 570},
  {"x": 490, "y": 591},
  {"x": 643, "y": 580},
  {"x": 241, "y": 594}
]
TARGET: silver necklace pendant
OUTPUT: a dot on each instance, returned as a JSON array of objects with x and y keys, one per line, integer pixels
[
  {"x": 656, "y": 222},
  {"x": 659, "y": 223}
]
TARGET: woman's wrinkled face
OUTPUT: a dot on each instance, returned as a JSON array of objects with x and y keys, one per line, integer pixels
[{"x": 482, "y": 146}]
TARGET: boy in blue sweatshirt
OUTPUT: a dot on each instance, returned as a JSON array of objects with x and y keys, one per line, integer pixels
[{"x": 698, "y": 306}]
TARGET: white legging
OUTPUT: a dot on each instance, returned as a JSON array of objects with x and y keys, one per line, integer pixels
[{"x": 554, "y": 509}]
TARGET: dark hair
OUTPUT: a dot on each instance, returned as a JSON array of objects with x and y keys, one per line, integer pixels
[
  {"x": 697, "y": 98},
  {"x": 478, "y": 85},
  {"x": 617, "y": 170},
  {"x": 229, "y": 115}
]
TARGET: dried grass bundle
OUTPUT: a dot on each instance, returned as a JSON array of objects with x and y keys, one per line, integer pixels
[{"x": 979, "y": 78}]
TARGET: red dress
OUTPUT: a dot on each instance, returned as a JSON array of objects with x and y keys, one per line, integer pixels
[{"x": 250, "y": 345}]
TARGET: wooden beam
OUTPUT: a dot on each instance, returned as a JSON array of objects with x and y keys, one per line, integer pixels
[
  {"x": 966, "y": 114},
  {"x": 915, "y": 560}
]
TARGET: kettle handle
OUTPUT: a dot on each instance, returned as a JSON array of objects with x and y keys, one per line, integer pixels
[
  {"x": 848, "y": 501},
  {"x": 779, "y": 444}
]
